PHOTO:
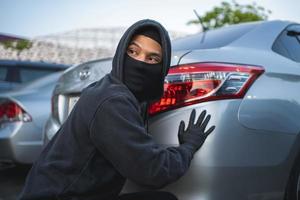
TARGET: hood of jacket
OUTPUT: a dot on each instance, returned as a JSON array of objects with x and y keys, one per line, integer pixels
[{"x": 118, "y": 60}]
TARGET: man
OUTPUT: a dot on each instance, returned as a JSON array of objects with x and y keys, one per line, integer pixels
[{"x": 104, "y": 140}]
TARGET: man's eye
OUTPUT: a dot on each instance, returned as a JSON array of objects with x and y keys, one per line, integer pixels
[
  {"x": 154, "y": 60},
  {"x": 131, "y": 52}
]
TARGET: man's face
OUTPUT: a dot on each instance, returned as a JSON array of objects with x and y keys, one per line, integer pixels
[{"x": 145, "y": 49}]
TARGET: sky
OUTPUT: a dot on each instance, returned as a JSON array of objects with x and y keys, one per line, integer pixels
[{"x": 31, "y": 18}]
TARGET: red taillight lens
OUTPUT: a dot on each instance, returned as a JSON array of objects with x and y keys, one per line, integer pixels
[
  {"x": 199, "y": 82},
  {"x": 11, "y": 111}
]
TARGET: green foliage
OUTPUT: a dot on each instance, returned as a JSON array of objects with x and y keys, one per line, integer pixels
[
  {"x": 18, "y": 45},
  {"x": 232, "y": 13}
]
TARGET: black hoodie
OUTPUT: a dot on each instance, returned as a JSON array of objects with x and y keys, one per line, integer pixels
[{"x": 104, "y": 141}]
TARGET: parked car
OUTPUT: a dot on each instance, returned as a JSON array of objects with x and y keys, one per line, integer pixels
[
  {"x": 23, "y": 113},
  {"x": 14, "y": 73},
  {"x": 247, "y": 77}
]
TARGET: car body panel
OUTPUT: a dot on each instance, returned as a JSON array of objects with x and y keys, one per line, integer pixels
[
  {"x": 254, "y": 112},
  {"x": 274, "y": 107},
  {"x": 218, "y": 161}
]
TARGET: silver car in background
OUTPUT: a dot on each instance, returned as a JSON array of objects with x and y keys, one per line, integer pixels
[
  {"x": 15, "y": 73},
  {"x": 247, "y": 77},
  {"x": 23, "y": 113}
]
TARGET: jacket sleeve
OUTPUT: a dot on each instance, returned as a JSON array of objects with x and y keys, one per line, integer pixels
[{"x": 119, "y": 134}]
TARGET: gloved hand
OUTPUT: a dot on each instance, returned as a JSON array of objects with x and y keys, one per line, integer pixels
[{"x": 195, "y": 135}]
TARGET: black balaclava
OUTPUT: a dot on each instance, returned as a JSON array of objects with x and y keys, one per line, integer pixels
[{"x": 144, "y": 80}]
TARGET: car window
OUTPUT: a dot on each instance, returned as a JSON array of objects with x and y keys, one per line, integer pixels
[
  {"x": 288, "y": 45},
  {"x": 30, "y": 74},
  {"x": 214, "y": 38},
  {"x": 42, "y": 82},
  {"x": 3, "y": 73}
]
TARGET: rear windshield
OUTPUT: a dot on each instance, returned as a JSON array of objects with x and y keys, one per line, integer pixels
[
  {"x": 3, "y": 73},
  {"x": 214, "y": 38},
  {"x": 42, "y": 82},
  {"x": 30, "y": 74}
]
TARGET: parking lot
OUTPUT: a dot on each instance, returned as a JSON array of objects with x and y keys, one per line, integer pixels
[
  {"x": 199, "y": 99},
  {"x": 11, "y": 181}
]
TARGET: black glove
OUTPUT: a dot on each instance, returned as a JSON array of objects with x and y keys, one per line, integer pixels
[{"x": 195, "y": 134}]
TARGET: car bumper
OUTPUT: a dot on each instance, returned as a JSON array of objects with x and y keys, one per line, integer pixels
[
  {"x": 20, "y": 142},
  {"x": 50, "y": 129}
]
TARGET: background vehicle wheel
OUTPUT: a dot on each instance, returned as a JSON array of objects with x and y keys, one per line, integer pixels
[{"x": 293, "y": 187}]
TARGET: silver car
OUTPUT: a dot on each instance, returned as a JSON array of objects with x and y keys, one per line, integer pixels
[
  {"x": 247, "y": 77},
  {"x": 15, "y": 73},
  {"x": 23, "y": 113}
]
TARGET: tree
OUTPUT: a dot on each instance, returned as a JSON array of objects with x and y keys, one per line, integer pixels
[
  {"x": 231, "y": 13},
  {"x": 18, "y": 45}
]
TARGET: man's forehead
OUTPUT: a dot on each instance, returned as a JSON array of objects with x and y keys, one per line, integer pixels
[{"x": 147, "y": 44}]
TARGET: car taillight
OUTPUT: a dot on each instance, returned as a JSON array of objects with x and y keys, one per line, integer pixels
[
  {"x": 11, "y": 112},
  {"x": 54, "y": 106},
  {"x": 199, "y": 82}
]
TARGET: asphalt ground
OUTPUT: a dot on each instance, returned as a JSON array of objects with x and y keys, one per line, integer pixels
[{"x": 12, "y": 179}]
